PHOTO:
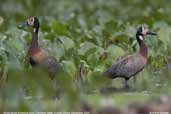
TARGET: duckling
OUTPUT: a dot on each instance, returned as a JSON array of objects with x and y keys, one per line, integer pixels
[
  {"x": 130, "y": 65},
  {"x": 37, "y": 56}
]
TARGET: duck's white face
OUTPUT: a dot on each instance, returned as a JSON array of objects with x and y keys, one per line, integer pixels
[
  {"x": 30, "y": 21},
  {"x": 145, "y": 30}
]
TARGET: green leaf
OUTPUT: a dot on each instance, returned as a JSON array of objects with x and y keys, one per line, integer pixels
[
  {"x": 164, "y": 31},
  {"x": 59, "y": 27},
  {"x": 69, "y": 67},
  {"x": 85, "y": 47},
  {"x": 51, "y": 36},
  {"x": 67, "y": 42},
  {"x": 115, "y": 52},
  {"x": 45, "y": 27}
]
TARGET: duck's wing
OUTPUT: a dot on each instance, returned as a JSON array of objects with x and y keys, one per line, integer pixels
[
  {"x": 51, "y": 64},
  {"x": 126, "y": 67}
]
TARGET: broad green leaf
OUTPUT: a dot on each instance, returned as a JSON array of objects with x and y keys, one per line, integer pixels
[
  {"x": 164, "y": 32},
  {"x": 67, "y": 42},
  {"x": 59, "y": 27},
  {"x": 115, "y": 52},
  {"x": 70, "y": 68},
  {"x": 85, "y": 47}
]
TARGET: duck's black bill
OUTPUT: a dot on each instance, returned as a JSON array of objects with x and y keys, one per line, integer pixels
[
  {"x": 23, "y": 25},
  {"x": 152, "y": 33}
]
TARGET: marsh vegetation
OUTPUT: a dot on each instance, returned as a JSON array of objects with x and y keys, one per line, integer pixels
[{"x": 86, "y": 33}]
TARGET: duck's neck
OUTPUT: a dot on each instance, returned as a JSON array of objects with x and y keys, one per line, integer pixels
[
  {"x": 34, "y": 41},
  {"x": 143, "y": 48}
]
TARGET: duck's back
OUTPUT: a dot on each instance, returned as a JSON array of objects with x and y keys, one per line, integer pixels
[{"x": 127, "y": 67}]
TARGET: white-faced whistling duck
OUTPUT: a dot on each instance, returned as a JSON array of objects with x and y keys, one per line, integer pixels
[
  {"x": 132, "y": 64},
  {"x": 37, "y": 56}
]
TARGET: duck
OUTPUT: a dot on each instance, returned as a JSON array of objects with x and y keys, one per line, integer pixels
[
  {"x": 38, "y": 57},
  {"x": 132, "y": 64}
]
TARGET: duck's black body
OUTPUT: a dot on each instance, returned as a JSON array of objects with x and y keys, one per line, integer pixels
[{"x": 131, "y": 64}]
